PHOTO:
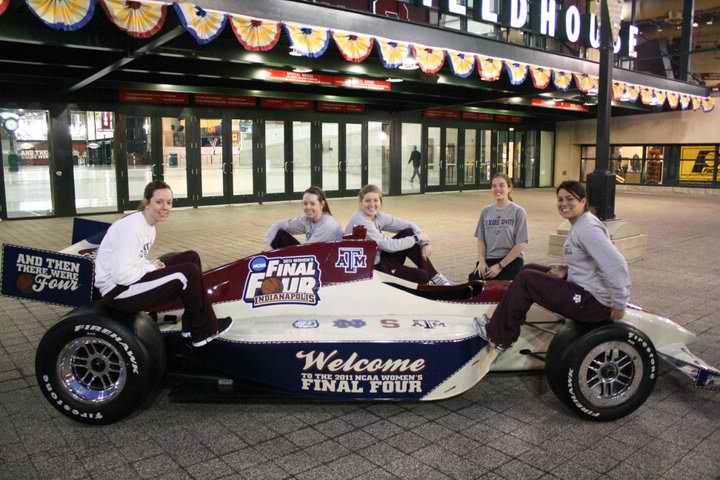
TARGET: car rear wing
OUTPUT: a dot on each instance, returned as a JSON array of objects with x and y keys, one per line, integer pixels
[{"x": 62, "y": 278}]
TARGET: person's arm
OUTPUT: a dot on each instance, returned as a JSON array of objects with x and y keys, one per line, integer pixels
[
  {"x": 328, "y": 230},
  {"x": 388, "y": 244},
  {"x": 127, "y": 266},
  {"x": 293, "y": 226},
  {"x": 612, "y": 266}
]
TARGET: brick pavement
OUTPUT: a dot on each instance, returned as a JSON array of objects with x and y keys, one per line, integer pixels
[{"x": 509, "y": 426}]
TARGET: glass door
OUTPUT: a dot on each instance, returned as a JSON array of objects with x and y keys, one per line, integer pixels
[
  {"x": 141, "y": 168},
  {"x": 242, "y": 157},
  {"x": 352, "y": 164},
  {"x": 452, "y": 153},
  {"x": 433, "y": 164},
  {"x": 277, "y": 165},
  {"x": 378, "y": 164},
  {"x": 485, "y": 156},
  {"x": 174, "y": 154},
  {"x": 470, "y": 176},
  {"x": 301, "y": 159},
  {"x": 330, "y": 165},
  {"x": 443, "y": 151},
  {"x": 212, "y": 168}
]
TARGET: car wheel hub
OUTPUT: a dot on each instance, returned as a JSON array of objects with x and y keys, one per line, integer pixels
[
  {"x": 610, "y": 374},
  {"x": 91, "y": 370}
]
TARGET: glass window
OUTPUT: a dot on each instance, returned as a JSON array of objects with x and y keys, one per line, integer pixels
[
  {"x": 470, "y": 151},
  {"x": 92, "y": 135},
  {"x": 412, "y": 157},
  {"x": 275, "y": 163},
  {"x": 379, "y": 155},
  {"x": 353, "y": 156},
  {"x": 242, "y": 156},
  {"x": 139, "y": 155},
  {"x": 450, "y": 21},
  {"x": 587, "y": 161},
  {"x": 485, "y": 156},
  {"x": 547, "y": 143},
  {"x": 626, "y": 162},
  {"x": 211, "y": 157},
  {"x": 433, "y": 156},
  {"x": 653, "y": 166},
  {"x": 330, "y": 156},
  {"x": 697, "y": 163},
  {"x": 481, "y": 28},
  {"x": 174, "y": 155},
  {"x": 451, "y": 147},
  {"x": 302, "y": 155}
]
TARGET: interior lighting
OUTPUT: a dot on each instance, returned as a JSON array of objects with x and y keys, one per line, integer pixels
[
  {"x": 546, "y": 94},
  {"x": 515, "y": 99},
  {"x": 696, "y": 24},
  {"x": 394, "y": 80},
  {"x": 302, "y": 70},
  {"x": 294, "y": 52},
  {"x": 709, "y": 22}
]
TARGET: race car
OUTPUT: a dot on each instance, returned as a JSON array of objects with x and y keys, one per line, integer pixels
[{"x": 316, "y": 321}]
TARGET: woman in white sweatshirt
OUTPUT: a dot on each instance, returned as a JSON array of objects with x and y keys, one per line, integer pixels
[
  {"x": 392, "y": 252},
  {"x": 130, "y": 282}
]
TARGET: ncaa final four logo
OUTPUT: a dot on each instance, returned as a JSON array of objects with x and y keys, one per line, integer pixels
[{"x": 283, "y": 280}]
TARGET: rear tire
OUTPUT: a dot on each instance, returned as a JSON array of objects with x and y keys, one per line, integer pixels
[
  {"x": 601, "y": 372},
  {"x": 94, "y": 367}
]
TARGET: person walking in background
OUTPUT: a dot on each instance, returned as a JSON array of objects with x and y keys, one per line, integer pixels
[
  {"x": 502, "y": 233},
  {"x": 392, "y": 252},
  {"x": 129, "y": 282},
  {"x": 415, "y": 160},
  {"x": 594, "y": 288},
  {"x": 317, "y": 223}
]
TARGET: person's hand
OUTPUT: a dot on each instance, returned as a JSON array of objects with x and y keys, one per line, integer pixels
[
  {"x": 482, "y": 268},
  {"x": 559, "y": 271},
  {"x": 426, "y": 251},
  {"x": 158, "y": 264},
  {"x": 493, "y": 271},
  {"x": 617, "y": 314}
]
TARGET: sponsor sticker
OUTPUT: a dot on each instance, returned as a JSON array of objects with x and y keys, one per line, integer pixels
[
  {"x": 428, "y": 323},
  {"x": 354, "y": 323},
  {"x": 306, "y": 323},
  {"x": 350, "y": 259},
  {"x": 283, "y": 280}
]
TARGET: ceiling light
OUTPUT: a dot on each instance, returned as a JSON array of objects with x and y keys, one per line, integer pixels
[
  {"x": 294, "y": 52},
  {"x": 515, "y": 99},
  {"x": 709, "y": 22},
  {"x": 695, "y": 24},
  {"x": 546, "y": 94},
  {"x": 302, "y": 70},
  {"x": 394, "y": 80},
  {"x": 659, "y": 29},
  {"x": 511, "y": 129}
]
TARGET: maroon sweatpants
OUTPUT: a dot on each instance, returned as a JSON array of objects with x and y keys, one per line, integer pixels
[
  {"x": 181, "y": 278},
  {"x": 534, "y": 285},
  {"x": 394, "y": 262}
]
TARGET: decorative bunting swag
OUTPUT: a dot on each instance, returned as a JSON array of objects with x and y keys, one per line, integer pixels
[
  {"x": 308, "y": 41},
  {"x": 139, "y": 20},
  {"x": 65, "y": 15},
  {"x": 540, "y": 76},
  {"x": 4, "y": 5},
  {"x": 618, "y": 89},
  {"x": 646, "y": 96},
  {"x": 631, "y": 93},
  {"x": 489, "y": 69},
  {"x": 516, "y": 71},
  {"x": 392, "y": 53},
  {"x": 562, "y": 79},
  {"x": 684, "y": 101},
  {"x": 353, "y": 46},
  {"x": 660, "y": 96},
  {"x": 586, "y": 83},
  {"x": 254, "y": 34},
  {"x": 673, "y": 100},
  {"x": 203, "y": 25},
  {"x": 708, "y": 104},
  {"x": 696, "y": 101},
  {"x": 430, "y": 60},
  {"x": 462, "y": 64}
]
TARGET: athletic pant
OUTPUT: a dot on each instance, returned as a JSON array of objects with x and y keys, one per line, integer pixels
[
  {"x": 394, "y": 262},
  {"x": 511, "y": 269},
  {"x": 283, "y": 239},
  {"x": 180, "y": 279},
  {"x": 534, "y": 285}
]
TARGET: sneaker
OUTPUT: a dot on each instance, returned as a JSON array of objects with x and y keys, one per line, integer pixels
[
  {"x": 185, "y": 334},
  {"x": 224, "y": 324},
  {"x": 481, "y": 327},
  {"x": 440, "y": 280}
]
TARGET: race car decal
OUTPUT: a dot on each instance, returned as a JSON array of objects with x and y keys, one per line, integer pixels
[
  {"x": 350, "y": 259},
  {"x": 283, "y": 280}
]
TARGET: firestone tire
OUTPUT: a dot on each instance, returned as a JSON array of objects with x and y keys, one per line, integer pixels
[
  {"x": 93, "y": 366},
  {"x": 604, "y": 372}
]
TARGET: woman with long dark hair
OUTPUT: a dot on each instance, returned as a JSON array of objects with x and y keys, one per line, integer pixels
[
  {"x": 594, "y": 288},
  {"x": 502, "y": 233},
  {"x": 129, "y": 281},
  {"x": 317, "y": 223}
]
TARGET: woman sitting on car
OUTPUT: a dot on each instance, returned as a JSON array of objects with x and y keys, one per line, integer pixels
[
  {"x": 594, "y": 288},
  {"x": 392, "y": 252},
  {"x": 317, "y": 223},
  {"x": 130, "y": 282}
]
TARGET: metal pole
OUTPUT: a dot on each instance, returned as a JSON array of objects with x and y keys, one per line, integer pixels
[
  {"x": 686, "y": 40},
  {"x": 601, "y": 182}
]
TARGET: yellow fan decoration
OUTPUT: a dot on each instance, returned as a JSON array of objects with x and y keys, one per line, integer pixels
[
  {"x": 139, "y": 20},
  {"x": 254, "y": 34},
  {"x": 353, "y": 47},
  {"x": 489, "y": 68},
  {"x": 430, "y": 60}
]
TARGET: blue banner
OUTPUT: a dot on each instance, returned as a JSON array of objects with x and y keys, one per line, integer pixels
[
  {"x": 91, "y": 230},
  {"x": 47, "y": 276}
]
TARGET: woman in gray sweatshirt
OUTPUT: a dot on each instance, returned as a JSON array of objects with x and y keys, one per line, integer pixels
[
  {"x": 317, "y": 223},
  {"x": 392, "y": 252},
  {"x": 594, "y": 288}
]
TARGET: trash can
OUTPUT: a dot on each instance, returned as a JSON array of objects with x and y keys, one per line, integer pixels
[
  {"x": 13, "y": 164},
  {"x": 173, "y": 159}
]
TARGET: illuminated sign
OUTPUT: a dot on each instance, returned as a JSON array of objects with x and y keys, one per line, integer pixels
[
  {"x": 560, "y": 105},
  {"x": 326, "y": 80}
]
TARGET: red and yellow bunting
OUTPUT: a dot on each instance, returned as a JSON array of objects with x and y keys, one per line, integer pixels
[
  {"x": 489, "y": 68},
  {"x": 673, "y": 100},
  {"x": 352, "y": 46},
  {"x": 392, "y": 53},
  {"x": 660, "y": 97},
  {"x": 562, "y": 79},
  {"x": 541, "y": 76},
  {"x": 516, "y": 71},
  {"x": 462, "y": 64},
  {"x": 696, "y": 102},
  {"x": 65, "y": 15},
  {"x": 203, "y": 25},
  {"x": 4, "y": 4},
  {"x": 586, "y": 83},
  {"x": 430, "y": 60},
  {"x": 308, "y": 41},
  {"x": 254, "y": 34},
  {"x": 618, "y": 89},
  {"x": 708, "y": 104},
  {"x": 631, "y": 93},
  {"x": 139, "y": 20}
]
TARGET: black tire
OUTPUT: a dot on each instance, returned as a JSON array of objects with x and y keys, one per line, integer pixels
[
  {"x": 627, "y": 368},
  {"x": 94, "y": 367}
]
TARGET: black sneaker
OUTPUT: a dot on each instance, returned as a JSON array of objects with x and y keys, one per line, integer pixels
[{"x": 224, "y": 324}]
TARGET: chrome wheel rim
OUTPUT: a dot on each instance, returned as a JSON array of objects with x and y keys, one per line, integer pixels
[
  {"x": 610, "y": 374},
  {"x": 91, "y": 370}
]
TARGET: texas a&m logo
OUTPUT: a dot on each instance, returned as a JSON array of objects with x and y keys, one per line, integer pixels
[
  {"x": 351, "y": 258},
  {"x": 283, "y": 280}
]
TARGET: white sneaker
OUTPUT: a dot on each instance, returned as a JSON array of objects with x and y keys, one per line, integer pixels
[
  {"x": 224, "y": 325},
  {"x": 440, "y": 280}
]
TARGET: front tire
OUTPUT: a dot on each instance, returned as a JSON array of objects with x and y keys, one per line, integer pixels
[
  {"x": 95, "y": 368},
  {"x": 602, "y": 373}
]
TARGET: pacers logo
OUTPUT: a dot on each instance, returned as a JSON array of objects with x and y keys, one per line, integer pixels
[{"x": 283, "y": 280}]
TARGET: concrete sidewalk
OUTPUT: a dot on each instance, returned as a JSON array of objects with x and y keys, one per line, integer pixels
[{"x": 508, "y": 426}]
